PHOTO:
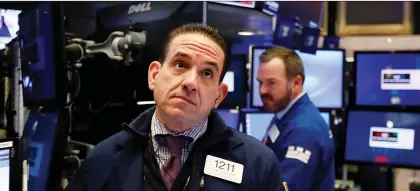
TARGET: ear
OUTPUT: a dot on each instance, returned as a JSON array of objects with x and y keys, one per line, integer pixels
[
  {"x": 223, "y": 90},
  {"x": 154, "y": 69},
  {"x": 298, "y": 81}
]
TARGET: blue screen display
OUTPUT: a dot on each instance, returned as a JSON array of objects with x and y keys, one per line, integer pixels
[
  {"x": 386, "y": 79},
  {"x": 257, "y": 123},
  {"x": 383, "y": 137},
  {"x": 38, "y": 138},
  {"x": 37, "y": 54},
  {"x": 323, "y": 77},
  {"x": 326, "y": 117},
  {"x": 230, "y": 117},
  {"x": 4, "y": 169},
  {"x": 236, "y": 80}
]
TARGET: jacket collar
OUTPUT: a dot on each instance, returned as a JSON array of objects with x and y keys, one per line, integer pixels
[{"x": 301, "y": 102}]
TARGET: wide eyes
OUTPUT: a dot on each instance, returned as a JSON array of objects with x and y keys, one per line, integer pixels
[{"x": 208, "y": 73}]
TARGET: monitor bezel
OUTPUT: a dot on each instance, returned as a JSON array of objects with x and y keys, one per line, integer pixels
[
  {"x": 15, "y": 171},
  {"x": 356, "y": 162},
  {"x": 353, "y": 92},
  {"x": 244, "y": 83},
  {"x": 251, "y": 57}
]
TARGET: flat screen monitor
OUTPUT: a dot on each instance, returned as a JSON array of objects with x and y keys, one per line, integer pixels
[
  {"x": 42, "y": 55},
  {"x": 256, "y": 124},
  {"x": 323, "y": 77},
  {"x": 4, "y": 169},
  {"x": 9, "y": 20},
  {"x": 39, "y": 137},
  {"x": 230, "y": 117},
  {"x": 388, "y": 138},
  {"x": 387, "y": 79},
  {"x": 327, "y": 117},
  {"x": 236, "y": 79},
  {"x": 10, "y": 164},
  {"x": 310, "y": 13},
  {"x": 246, "y": 4}
]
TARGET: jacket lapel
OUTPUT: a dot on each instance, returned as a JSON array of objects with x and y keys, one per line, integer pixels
[{"x": 129, "y": 168}]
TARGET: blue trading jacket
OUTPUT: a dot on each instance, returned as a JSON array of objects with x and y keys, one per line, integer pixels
[{"x": 304, "y": 146}]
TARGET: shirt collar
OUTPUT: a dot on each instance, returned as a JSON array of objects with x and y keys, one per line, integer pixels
[
  {"x": 281, "y": 113},
  {"x": 194, "y": 132}
]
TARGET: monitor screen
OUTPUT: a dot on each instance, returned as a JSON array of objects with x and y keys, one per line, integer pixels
[
  {"x": 327, "y": 117},
  {"x": 257, "y": 123},
  {"x": 4, "y": 169},
  {"x": 383, "y": 137},
  {"x": 246, "y": 4},
  {"x": 230, "y": 117},
  {"x": 42, "y": 54},
  {"x": 387, "y": 79},
  {"x": 236, "y": 79},
  {"x": 38, "y": 139},
  {"x": 323, "y": 77},
  {"x": 310, "y": 13},
  {"x": 9, "y": 26}
]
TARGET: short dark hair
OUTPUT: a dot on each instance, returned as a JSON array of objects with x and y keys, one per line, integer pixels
[
  {"x": 202, "y": 29},
  {"x": 292, "y": 62}
]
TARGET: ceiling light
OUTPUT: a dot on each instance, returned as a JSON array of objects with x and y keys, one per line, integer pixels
[{"x": 246, "y": 33}]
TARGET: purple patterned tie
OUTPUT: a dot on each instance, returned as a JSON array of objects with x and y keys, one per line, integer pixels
[{"x": 174, "y": 164}]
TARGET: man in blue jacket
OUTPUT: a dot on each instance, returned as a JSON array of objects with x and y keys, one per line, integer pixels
[
  {"x": 297, "y": 134},
  {"x": 182, "y": 144}
]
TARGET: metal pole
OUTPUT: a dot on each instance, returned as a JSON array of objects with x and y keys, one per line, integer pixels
[{"x": 205, "y": 12}]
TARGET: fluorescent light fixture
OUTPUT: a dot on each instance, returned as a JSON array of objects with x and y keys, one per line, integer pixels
[
  {"x": 145, "y": 102},
  {"x": 245, "y": 33}
]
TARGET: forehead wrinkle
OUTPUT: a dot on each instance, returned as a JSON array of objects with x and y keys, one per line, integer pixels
[{"x": 216, "y": 51}]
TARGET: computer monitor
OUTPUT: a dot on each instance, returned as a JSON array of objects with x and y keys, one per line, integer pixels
[
  {"x": 323, "y": 77},
  {"x": 387, "y": 79},
  {"x": 42, "y": 44},
  {"x": 327, "y": 117},
  {"x": 10, "y": 164},
  {"x": 256, "y": 123},
  {"x": 9, "y": 20},
  {"x": 388, "y": 138},
  {"x": 236, "y": 79},
  {"x": 230, "y": 117},
  {"x": 44, "y": 149}
]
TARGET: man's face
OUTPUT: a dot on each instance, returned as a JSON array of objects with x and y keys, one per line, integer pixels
[
  {"x": 275, "y": 89},
  {"x": 186, "y": 85}
]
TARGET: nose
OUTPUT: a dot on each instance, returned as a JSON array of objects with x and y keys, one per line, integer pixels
[
  {"x": 190, "y": 81},
  {"x": 263, "y": 89}
]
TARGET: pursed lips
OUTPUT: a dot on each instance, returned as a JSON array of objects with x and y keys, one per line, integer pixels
[{"x": 185, "y": 99}]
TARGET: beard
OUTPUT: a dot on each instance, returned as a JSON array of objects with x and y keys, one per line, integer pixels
[{"x": 280, "y": 104}]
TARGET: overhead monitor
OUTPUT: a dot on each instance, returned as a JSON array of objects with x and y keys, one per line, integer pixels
[
  {"x": 10, "y": 164},
  {"x": 236, "y": 79},
  {"x": 230, "y": 117},
  {"x": 310, "y": 13},
  {"x": 246, "y": 4},
  {"x": 387, "y": 79},
  {"x": 9, "y": 25},
  {"x": 42, "y": 56},
  {"x": 323, "y": 77},
  {"x": 388, "y": 138}
]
